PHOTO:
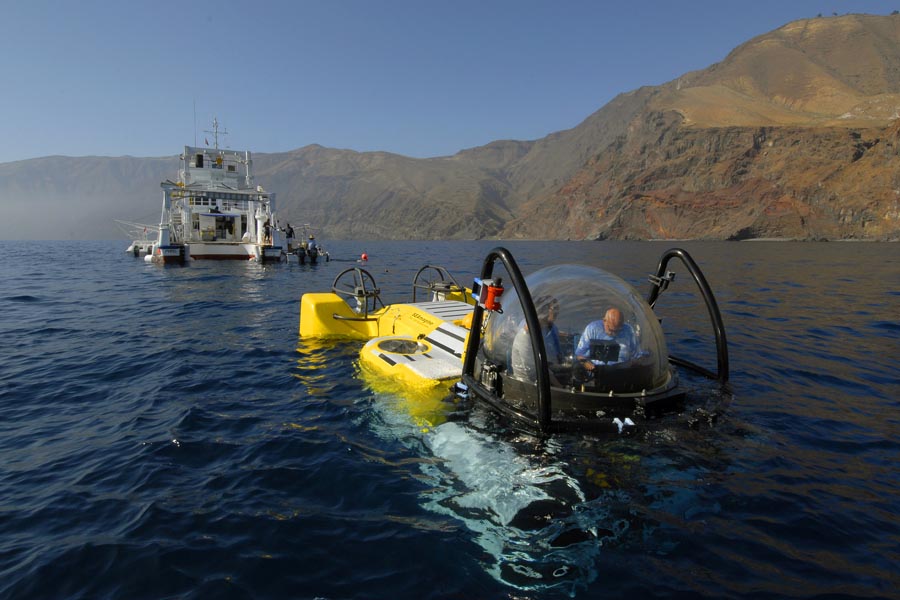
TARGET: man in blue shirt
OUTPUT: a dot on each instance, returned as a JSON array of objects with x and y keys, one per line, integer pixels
[{"x": 612, "y": 328}]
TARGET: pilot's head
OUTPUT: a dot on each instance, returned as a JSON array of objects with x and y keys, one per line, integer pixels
[{"x": 612, "y": 321}]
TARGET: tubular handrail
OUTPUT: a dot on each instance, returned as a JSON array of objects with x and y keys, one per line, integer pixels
[
  {"x": 660, "y": 281},
  {"x": 534, "y": 329},
  {"x": 338, "y": 317}
]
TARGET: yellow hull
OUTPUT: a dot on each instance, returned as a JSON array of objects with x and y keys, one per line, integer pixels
[
  {"x": 428, "y": 407},
  {"x": 417, "y": 345}
]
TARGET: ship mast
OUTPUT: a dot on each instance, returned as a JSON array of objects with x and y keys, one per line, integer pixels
[{"x": 215, "y": 132}]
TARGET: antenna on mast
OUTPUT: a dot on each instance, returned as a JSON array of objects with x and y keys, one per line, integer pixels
[{"x": 215, "y": 132}]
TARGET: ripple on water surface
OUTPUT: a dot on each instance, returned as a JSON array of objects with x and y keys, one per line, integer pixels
[{"x": 165, "y": 434}]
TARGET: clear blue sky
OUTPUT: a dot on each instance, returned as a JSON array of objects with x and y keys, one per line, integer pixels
[{"x": 416, "y": 77}]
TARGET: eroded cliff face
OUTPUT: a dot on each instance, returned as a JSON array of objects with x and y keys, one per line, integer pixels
[
  {"x": 793, "y": 135},
  {"x": 667, "y": 180}
]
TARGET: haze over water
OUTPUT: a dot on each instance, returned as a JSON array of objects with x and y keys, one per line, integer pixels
[{"x": 166, "y": 434}]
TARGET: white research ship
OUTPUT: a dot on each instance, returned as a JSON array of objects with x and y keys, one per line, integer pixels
[{"x": 215, "y": 211}]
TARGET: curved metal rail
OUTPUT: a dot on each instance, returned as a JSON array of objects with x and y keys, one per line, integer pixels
[
  {"x": 443, "y": 283},
  {"x": 660, "y": 282},
  {"x": 362, "y": 288},
  {"x": 537, "y": 341}
]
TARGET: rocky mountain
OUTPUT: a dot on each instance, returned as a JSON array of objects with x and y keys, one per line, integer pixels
[
  {"x": 795, "y": 134},
  {"x": 472, "y": 194}
]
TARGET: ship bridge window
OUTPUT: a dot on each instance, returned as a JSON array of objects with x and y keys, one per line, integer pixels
[
  {"x": 199, "y": 161},
  {"x": 231, "y": 168}
]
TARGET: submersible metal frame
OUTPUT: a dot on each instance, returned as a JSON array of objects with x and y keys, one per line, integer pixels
[{"x": 563, "y": 409}]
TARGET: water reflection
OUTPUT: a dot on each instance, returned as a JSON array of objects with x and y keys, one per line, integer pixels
[{"x": 321, "y": 366}]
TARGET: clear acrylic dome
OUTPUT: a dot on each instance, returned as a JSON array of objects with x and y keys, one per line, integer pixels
[{"x": 592, "y": 321}]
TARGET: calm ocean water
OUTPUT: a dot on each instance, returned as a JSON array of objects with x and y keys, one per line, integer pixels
[{"x": 165, "y": 434}]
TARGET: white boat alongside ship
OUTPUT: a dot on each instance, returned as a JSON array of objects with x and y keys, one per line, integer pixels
[
  {"x": 142, "y": 236},
  {"x": 215, "y": 211}
]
